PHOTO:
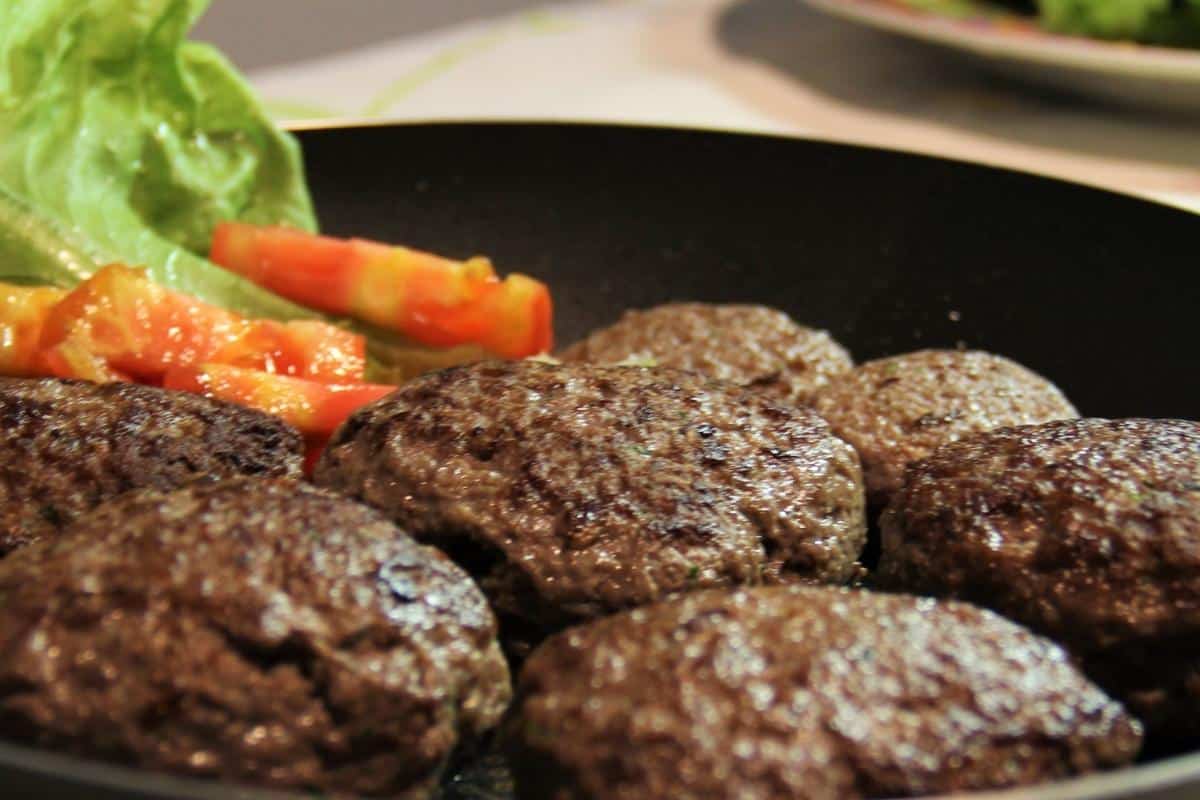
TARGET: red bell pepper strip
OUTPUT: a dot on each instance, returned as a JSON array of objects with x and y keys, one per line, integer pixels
[
  {"x": 315, "y": 409},
  {"x": 432, "y": 300},
  {"x": 23, "y": 312}
]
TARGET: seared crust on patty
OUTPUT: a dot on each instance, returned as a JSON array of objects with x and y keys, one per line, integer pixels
[
  {"x": 66, "y": 446},
  {"x": 898, "y": 410},
  {"x": 755, "y": 346},
  {"x": 1087, "y": 531},
  {"x": 256, "y": 631},
  {"x": 806, "y": 693},
  {"x": 576, "y": 490}
]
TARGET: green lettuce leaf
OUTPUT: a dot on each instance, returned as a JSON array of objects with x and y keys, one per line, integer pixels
[
  {"x": 36, "y": 252},
  {"x": 1172, "y": 22},
  {"x": 122, "y": 141}
]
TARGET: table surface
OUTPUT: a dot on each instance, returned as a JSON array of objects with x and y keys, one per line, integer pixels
[{"x": 755, "y": 65}]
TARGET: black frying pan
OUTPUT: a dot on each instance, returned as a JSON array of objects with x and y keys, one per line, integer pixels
[{"x": 889, "y": 251}]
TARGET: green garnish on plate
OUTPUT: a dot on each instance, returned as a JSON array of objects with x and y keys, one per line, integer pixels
[{"x": 1163, "y": 22}]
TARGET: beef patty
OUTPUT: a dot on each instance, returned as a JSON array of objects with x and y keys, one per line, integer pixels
[
  {"x": 261, "y": 631},
  {"x": 66, "y": 446},
  {"x": 755, "y": 346},
  {"x": 897, "y": 410},
  {"x": 804, "y": 693},
  {"x": 1085, "y": 530},
  {"x": 576, "y": 490}
]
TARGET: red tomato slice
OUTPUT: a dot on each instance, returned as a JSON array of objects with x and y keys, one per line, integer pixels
[
  {"x": 23, "y": 313},
  {"x": 133, "y": 326},
  {"x": 119, "y": 323},
  {"x": 301, "y": 348},
  {"x": 315, "y": 409},
  {"x": 432, "y": 300}
]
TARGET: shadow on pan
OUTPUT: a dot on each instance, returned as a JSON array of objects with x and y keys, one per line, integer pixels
[{"x": 890, "y": 252}]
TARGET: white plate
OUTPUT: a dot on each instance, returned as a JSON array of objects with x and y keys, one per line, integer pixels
[{"x": 1129, "y": 73}]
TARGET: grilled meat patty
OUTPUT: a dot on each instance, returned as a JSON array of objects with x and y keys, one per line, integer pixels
[
  {"x": 898, "y": 410},
  {"x": 755, "y": 346},
  {"x": 261, "y": 631},
  {"x": 1087, "y": 531},
  {"x": 66, "y": 446},
  {"x": 804, "y": 693},
  {"x": 573, "y": 491}
]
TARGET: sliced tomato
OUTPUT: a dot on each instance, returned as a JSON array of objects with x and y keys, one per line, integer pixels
[
  {"x": 23, "y": 313},
  {"x": 313, "y": 447},
  {"x": 71, "y": 358},
  {"x": 119, "y": 323},
  {"x": 301, "y": 349},
  {"x": 432, "y": 300},
  {"x": 315, "y": 409}
]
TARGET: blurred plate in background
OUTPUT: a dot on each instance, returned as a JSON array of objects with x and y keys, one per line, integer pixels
[{"x": 1132, "y": 74}]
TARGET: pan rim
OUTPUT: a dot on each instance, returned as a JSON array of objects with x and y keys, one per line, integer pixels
[
  {"x": 1169, "y": 773},
  {"x": 318, "y": 125}
]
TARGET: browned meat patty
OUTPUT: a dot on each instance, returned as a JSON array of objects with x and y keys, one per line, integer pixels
[
  {"x": 804, "y": 693},
  {"x": 260, "y": 631},
  {"x": 66, "y": 446},
  {"x": 755, "y": 346},
  {"x": 572, "y": 491},
  {"x": 898, "y": 410},
  {"x": 1086, "y": 530}
]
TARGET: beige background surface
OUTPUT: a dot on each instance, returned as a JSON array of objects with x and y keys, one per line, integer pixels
[
  {"x": 257, "y": 33},
  {"x": 758, "y": 65}
]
